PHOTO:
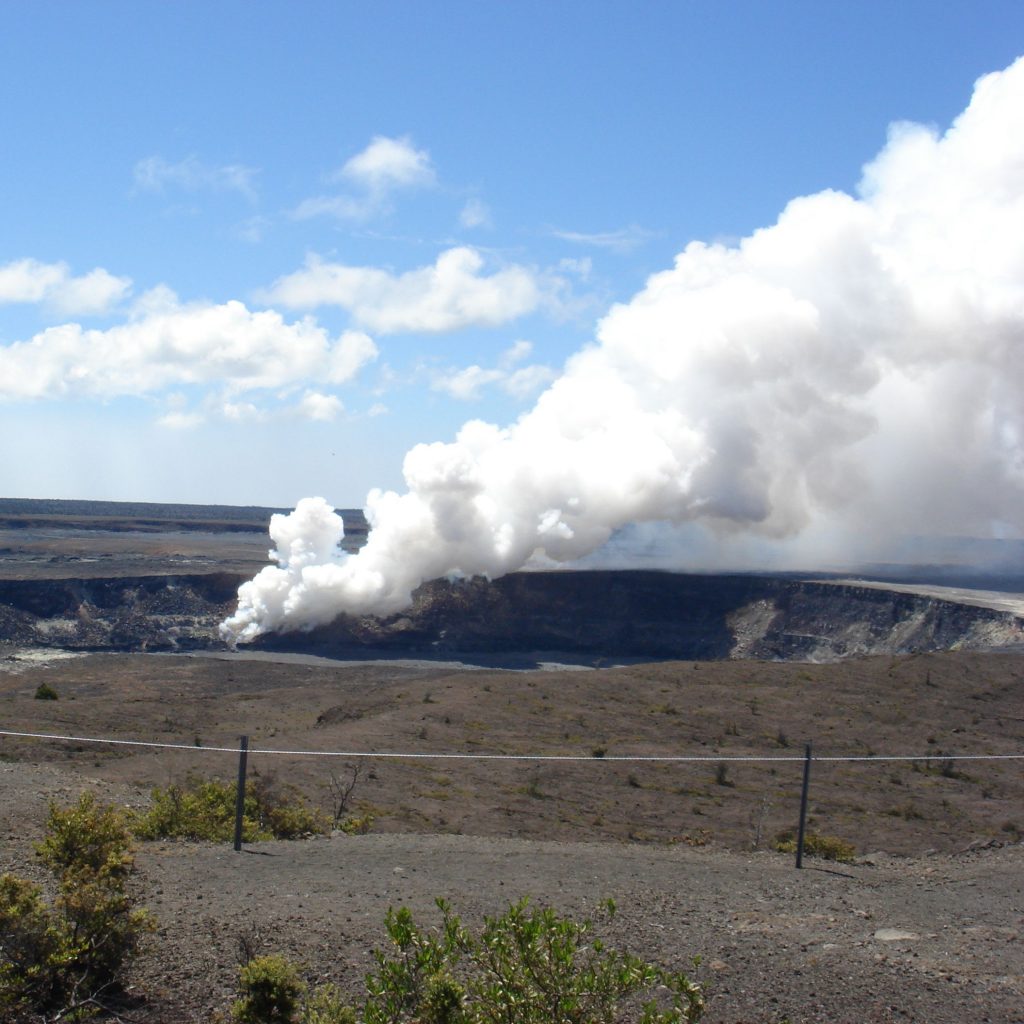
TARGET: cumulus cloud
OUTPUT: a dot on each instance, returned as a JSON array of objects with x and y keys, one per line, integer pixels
[
  {"x": 32, "y": 281},
  {"x": 170, "y": 345},
  {"x": 469, "y": 382},
  {"x": 317, "y": 406},
  {"x": 450, "y": 294},
  {"x": 241, "y": 412},
  {"x": 155, "y": 174},
  {"x": 853, "y": 370},
  {"x": 386, "y": 166}
]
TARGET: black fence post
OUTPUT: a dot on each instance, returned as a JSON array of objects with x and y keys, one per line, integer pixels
[
  {"x": 243, "y": 754},
  {"x": 803, "y": 808}
]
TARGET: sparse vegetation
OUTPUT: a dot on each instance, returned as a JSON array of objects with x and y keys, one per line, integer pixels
[
  {"x": 46, "y": 692},
  {"x": 816, "y": 845},
  {"x": 270, "y": 991},
  {"x": 341, "y": 790},
  {"x": 205, "y": 809},
  {"x": 66, "y": 958},
  {"x": 524, "y": 967}
]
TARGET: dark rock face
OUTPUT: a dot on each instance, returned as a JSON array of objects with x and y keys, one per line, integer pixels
[
  {"x": 120, "y": 613},
  {"x": 634, "y": 614},
  {"x": 582, "y": 615}
]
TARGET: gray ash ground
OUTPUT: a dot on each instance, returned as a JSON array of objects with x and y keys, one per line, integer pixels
[{"x": 935, "y": 940}]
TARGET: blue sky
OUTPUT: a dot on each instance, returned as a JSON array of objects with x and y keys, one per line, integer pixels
[{"x": 297, "y": 239}]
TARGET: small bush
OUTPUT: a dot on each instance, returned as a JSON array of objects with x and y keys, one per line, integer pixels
[
  {"x": 815, "y": 845},
  {"x": 326, "y": 1006},
  {"x": 530, "y": 967},
  {"x": 356, "y": 824},
  {"x": 270, "y": 991},
  {"x": 205, "y": 809},
  {"x": 524, "y": 967},
  {"x": 65, "y": 956},
  {"x": 46, "y": 692}
]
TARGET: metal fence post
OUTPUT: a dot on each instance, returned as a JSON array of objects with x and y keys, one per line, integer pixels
[
  {"x": 243, "y": 754},
  {"x": 803, "y": 807}
]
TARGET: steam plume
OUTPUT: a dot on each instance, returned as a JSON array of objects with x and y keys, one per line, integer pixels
[{"x": 858, "y": 364}]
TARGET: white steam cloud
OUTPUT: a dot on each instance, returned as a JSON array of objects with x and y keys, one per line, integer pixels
[{"x": 859, "y": 364}]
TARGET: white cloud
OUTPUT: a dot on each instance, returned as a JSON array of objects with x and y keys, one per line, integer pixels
[
  {"x": 345, "y": 359},
  {"x": 252, "y": 229},
  {"x": 445, "y": 296},
  {"x": 623, "y": 240},
  {"x": 241, "y": 412},
  {"x": 528, "y": 380},
  {"x": 387, "y": 164},
  {"x": 515, "y": 353},
  {"x": 467, "y": 383},
  {"x": 378, "y": 409},
  {"x": 340, "y": 207},
  {"x": 581, "y": 267},
  {"x": 383, "y": 168},
  {"x": 317, "y": 406},
  {"x": 475, "y": 214},
  {"x": 168, "y": 345},
  {"x": 181, "y": 420},
  {"x": 154, "y": 174},
  {"x": 30, "y": 280}
]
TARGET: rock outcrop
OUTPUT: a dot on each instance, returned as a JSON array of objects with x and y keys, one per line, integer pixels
[{"x": 573, "y": 615}]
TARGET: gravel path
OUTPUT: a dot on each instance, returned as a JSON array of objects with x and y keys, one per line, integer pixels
[{"x": 936, "y": 940}]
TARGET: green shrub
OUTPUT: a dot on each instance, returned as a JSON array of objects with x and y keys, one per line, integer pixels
[
  {"x": 270, "y": 991},
  {"x": 65, "y": 956},
  {"x": 28, "y": 947},
  {"x": 87, "y": 837},
  {"x": 530, "y": 967},
  {"x": 356, "y": 825},
  {"x": 45, "y": 692},
  {"x": 326, "y": 1006},
  {"x": 524, "y": 967},
  {"x": 815, "y": 845},
  {"x": 205, "y": 809}
]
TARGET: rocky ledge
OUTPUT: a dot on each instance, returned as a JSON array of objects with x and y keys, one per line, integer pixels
[{"x": 578, "y": 615}]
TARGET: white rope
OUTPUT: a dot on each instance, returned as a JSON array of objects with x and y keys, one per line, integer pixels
[{"x": 394, "y": 755}]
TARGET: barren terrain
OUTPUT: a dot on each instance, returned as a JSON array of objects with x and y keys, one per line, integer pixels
[{"x": 926, "y": 926}]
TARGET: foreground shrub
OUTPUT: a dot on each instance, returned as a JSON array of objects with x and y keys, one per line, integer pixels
[
  {"x": 46, "y": 692},
  {"x": 815, "y": 845},
  {"x": 65, "y": 957},
  {"x": 205, "y": 809},
  {"x": 270, "y": 990},
  {"x": 524, "y": 967},
  {"x": 527, "y": 966}
]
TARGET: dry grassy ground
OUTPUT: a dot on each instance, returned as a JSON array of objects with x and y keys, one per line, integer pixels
[
  {"x": 672, "y": 843},
  {"x": 932, "y": 705}
]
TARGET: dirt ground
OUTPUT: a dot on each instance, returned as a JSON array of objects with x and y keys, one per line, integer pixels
[{"x": 926, "y": 926}]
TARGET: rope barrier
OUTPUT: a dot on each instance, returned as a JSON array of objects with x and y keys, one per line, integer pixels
[{"x": 395, "y": 755}]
